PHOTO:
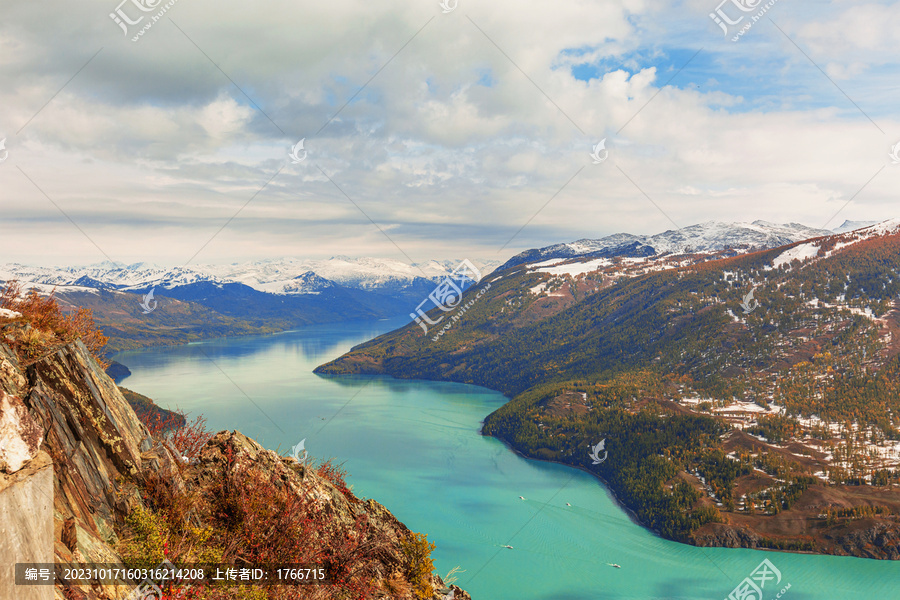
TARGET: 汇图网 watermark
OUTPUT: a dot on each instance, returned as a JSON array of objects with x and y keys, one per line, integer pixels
[
  {"x": 895, "y": 154},
  {"x": 741, "y": 9},
  {"x": 750, "y": 303},
  {"x": 298, "y": 452},
  {"x": 148, "y": 298},
  {"x": 123, "y": 20},
  {"x": 458, "y": 315},
  {"x": 148, "y": 589},
  {"x": 751, "y": 588},
  {"x": 448, "y": 295},
  {"x": 295, "y": 152},
  {"x": 594, "y": 454},
  {"x": 599, "y": 153}
]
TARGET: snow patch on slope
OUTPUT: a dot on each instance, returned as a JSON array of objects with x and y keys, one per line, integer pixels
[
  {"x": 577, "y": 268},
  {"x": 802, "y": 252}
]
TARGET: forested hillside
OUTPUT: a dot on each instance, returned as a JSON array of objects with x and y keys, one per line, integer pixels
[{"x": 729, "y": 390}]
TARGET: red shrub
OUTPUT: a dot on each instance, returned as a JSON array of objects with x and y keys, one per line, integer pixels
[
  {"x": 265, "y": 522},
  {"x": 46, "y": 315},
  {"x": 336, "y": 474},
  {"x": 188, "y": 437}
]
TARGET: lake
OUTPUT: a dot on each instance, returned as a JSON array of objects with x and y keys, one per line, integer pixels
[{"x": 415, "y": 447}]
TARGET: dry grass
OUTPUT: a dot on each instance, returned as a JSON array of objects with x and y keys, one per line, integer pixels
[{"x": 397, "y": 587}]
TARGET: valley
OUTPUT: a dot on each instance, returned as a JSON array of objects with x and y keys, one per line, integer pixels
[
  {"x": 772, "y": 426},
  {"x": 448, "y": 300}
]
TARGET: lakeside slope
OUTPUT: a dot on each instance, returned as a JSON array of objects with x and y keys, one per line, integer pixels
[{"x": 763, "y": 420}]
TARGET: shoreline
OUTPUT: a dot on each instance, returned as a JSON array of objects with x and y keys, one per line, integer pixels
[
  {"x": 631, "y": 514},
  {"x": 757, "y": 537},
  {"x": 634, "y": 518}
]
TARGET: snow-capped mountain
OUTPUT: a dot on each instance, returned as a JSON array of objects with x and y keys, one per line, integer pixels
[
  {"x": 712, "y": 236},
  {"x": 202, "y": 301},
  {"x": 372, "y": 274},
  {"x": 823, "y": 248},
  {"x": 853, "y": 225},
  {"x": 105, "y": 275},
  {"x": 278, "y": 276}
]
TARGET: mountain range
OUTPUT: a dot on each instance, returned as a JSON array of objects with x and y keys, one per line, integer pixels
[
  {"x": 747, "y": 396},
  {"x": 286, "y": 276},
  {"x": 744, "y": 377},
  {"x": 192, "y": 303},
  {"x": 201, "y": 301},
  {"x": 712, "y": 236}
]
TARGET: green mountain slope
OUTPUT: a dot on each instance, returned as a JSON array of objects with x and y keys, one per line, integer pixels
[{"x": 720, "y": 419}]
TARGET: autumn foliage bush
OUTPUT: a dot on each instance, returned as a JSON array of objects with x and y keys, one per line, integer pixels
[
  {"x": 50, "y": 325},
  {"x": 188, "y": 437},
  {"x": 247, "y": 515},
  {"x": 262, "y": 520},
  {"x": 336, "y": 474},
  {"x": 418, "y": 549}
]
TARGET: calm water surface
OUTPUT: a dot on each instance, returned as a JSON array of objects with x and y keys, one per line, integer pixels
[{"x": 414, "y": 446}]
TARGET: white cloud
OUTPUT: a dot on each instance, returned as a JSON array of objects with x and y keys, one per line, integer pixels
[{"x": 450, "y": 148}]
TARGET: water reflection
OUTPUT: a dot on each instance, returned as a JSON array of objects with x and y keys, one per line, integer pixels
[{"x": 314, "y": 344}]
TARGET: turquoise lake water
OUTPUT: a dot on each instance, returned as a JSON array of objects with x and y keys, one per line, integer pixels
[{"x": 414, "y": 446}]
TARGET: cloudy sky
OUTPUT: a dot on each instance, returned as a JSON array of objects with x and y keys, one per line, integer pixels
[{"x": 432, "y": 134}]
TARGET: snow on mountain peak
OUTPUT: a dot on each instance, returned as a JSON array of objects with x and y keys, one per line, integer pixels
[
  {"x": 715, "y": 235},
  {"x": 277, "y": 276},
  {"x": 853, "y": 225},
  {"x": 812, "y": 249},
  {"x": 710, "y": 236},
  {"x": 883, "y": 228}
]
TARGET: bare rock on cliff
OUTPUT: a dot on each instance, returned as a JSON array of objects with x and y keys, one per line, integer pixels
[
  {"x": 20, "y": 434},
  {"x": 26, "y": 524},
  {"x": 866, "y": 538},
  {"x": 720, "y": 535},
  {"x": 76, "y": 443},
  {"x": 72, "y": 410}
]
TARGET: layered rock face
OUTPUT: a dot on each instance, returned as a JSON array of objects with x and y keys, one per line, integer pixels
[
  {"x": 73, "y": 456},
  {"x": 69, "y": 443}
]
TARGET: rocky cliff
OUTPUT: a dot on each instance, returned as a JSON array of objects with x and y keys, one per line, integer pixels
[
  {"x": 77, "y": 469},
  {"x": 866, "y": 538}
]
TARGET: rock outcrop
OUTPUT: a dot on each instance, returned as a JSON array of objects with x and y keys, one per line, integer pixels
[
  {"x": 26, "y": 525},
  {"x": 74, "y": 456},
  {"x": 719, "y": 535},
  {"x": 20, "y": 435},
  {"x": 864, "y": 538},
  {"x": 232, "y": 452},
  {"x": 868, "y": 539}
]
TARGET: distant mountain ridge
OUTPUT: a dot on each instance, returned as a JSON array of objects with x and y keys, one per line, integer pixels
[
  {"x": 275, "y": 276},
  {"x": 854, "y": 225},
  {"x": 712, "y": 236},
  {"x": 199, "y": 302}
]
